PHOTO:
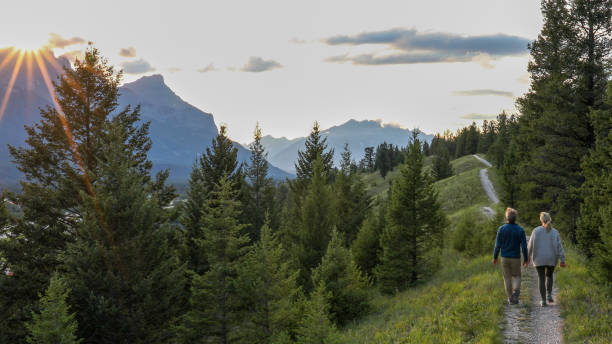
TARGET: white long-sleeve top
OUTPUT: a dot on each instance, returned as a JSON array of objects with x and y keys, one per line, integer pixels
[{"x": 544, "y": 248}]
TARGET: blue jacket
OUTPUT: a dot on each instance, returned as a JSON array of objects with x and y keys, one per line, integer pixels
[{"x": 511, "y": 240}]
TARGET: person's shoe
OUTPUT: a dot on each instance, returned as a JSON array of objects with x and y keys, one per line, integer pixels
[
  {"x": 543, "y": 303},
  {"x": 515, "y": 297},
  {"x": 550, "y": 299}
]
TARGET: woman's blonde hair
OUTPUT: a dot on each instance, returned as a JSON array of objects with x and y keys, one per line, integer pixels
[{"x": 546, "y": 220}]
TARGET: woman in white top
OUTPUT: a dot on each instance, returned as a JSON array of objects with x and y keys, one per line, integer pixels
[{"x": 545, "y": 250}]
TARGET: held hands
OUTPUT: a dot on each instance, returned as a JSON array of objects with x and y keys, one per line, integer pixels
[
  {"x": 526, "y": 263},
  {"x": 494, "y": 261},
  {"x": 562, "y": 264}
]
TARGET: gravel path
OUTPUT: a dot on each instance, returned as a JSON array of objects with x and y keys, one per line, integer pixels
[
  {"x": 526, "y": 322},
  {"x": 486, "y": 182}
]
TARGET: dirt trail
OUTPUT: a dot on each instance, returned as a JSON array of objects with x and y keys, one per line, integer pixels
[
  {"x": 486, "y": 182},
  {"x": 526, "y": 322}
]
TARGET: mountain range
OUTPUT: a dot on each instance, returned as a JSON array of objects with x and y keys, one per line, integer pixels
[
  {"x": 179, "y": 131},
  {"x": 283, "y": 152}
]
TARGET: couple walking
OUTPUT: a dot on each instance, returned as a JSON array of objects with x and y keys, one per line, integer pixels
[{"x": 543, "y": 250}]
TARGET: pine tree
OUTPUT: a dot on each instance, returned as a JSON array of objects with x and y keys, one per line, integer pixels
[
  {"x": 261, "y": 200},
  {"x": 58, "y": 163},
  {"x": 352, "y": 201},
  {"x": 127, "y": 285},
  {"x": 367, "y": 162},
  {"x": 316, "y": 326},
  {"x": 219, "y": 161},
  {"x": 270, "y": 286},
  {"x": 415, "y": 226},
  {"x": 346, "y": 285},
  {"x": 215, "y": 295},
  {"x": 316, "y": 221},
  {"x": 442, "y": 167},
  {"x": 593, "y": 234},
  {"x": 54, "y": 323},
  {"x": 315, "y": 148},
  {"x": 366, "y": 247},
  {"x": 567, "y": 82}
]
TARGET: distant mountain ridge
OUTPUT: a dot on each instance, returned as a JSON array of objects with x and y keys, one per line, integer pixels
[
  {"x": 179, "y": 131},
  {"x": 282, "y": 152}
]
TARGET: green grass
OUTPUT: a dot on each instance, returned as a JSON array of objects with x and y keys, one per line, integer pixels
[
  {"x": 466, "y": 163},
  {"x": 462, "y": 303},
  {"x": 461, "y": 191},
  {"x": 586, "y": 307}
]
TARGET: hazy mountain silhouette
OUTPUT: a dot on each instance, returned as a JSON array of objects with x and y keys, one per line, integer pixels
[
  {"x": 180, "y": 132},
  {"x": 358, "y": 134}
]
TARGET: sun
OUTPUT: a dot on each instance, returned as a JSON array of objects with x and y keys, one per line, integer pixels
[{"x": 29, "y": 42}]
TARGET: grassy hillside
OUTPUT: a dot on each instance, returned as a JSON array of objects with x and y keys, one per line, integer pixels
[{"x": 463, "y": 302}]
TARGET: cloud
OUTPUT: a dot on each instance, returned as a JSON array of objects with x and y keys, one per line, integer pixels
[
  {"x": 257, "y": 64},
  {"x": 479, "y": 116},
  {"x": 73, "y": 55},
  {"x": 127, "y": 52},
  {"x": 484, "y": 92},
  {"x": 412, "y": 46},
  {"x": 296, "y": 40},
  {"x": 57, "y": 41},
  {"x": 209, "y": 68},
  {"x": 137, "y": 67}
]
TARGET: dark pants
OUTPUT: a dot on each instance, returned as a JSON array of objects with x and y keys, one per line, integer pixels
[{"x": 545, "y": 271}]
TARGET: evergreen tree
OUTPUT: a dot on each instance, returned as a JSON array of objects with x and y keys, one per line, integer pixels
[
  {"x": 366, "y": 247},
  {"x": 270, "y": 286},
  {"x": 261, "y": 195},
  {"x": 415, "y": 226},
  {"x": 316, "y": 326},
  {"x": 593, "y": 234},
  {"x": 127, "y": 285},
  {"x": 54, "y": 323},
  {"x": 215, "y": 295},
  {"x": 315, "y": 148},
  {"x": 367, "y": 162},
  {"x": 346, "y": 285},
  {"x": 58, "y": 164},
  {"x": 567, "y": 81},
  {"x": 219, "y": 161},
  {"x": 352, "y": 200},
  {"x": 442, "y": 167},
  {"x": 316, "y": 221}
]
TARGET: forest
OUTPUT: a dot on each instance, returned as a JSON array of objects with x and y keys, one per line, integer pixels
[{"x": 96, "y": 249}]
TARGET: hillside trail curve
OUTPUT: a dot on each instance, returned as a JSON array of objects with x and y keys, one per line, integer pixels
[{"x": 526, "y": 322}]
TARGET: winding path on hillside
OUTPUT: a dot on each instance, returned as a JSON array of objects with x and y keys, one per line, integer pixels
[{"x": 526, "y": 322}]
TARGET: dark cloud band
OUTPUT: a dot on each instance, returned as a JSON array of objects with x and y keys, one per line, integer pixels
[
  {"x": 415, "y": 47},
  {"x": 484, "y": 92},
  {"x": 257, "y": 64}
]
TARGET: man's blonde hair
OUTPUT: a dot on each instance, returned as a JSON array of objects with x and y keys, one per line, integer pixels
[{"x": 511, "y": 215}]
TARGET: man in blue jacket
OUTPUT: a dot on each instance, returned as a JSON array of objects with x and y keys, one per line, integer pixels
[{"x": 511, "y": 241}]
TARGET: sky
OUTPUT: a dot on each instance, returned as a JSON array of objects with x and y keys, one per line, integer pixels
[{"x": 432, "y": 64}]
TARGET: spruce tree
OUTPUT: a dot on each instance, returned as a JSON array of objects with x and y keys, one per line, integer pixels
[
  {"x": 270, "y": 286},
  {"x": 352, "y": 201},
  {"x": 261, "y": 190},
  {"x": 58, "y": 162},
  {"x": 315, "y": 224},
  {"x": 218, "y": 161},
  {"x": 414, "y": 227},
  {"x": 316, "y": 326},
  {"x": 315, "y": 148},
  {"x": 215, "y": 295},
  {"x": 593, "y": 235},
  {"x": 442, "y": 167},
  {"x": 366, "y": 247},
  {"x": 54, "y": 323},
  {"x": 127, "y": 285},
  {"x": 345, "y": 283}
]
